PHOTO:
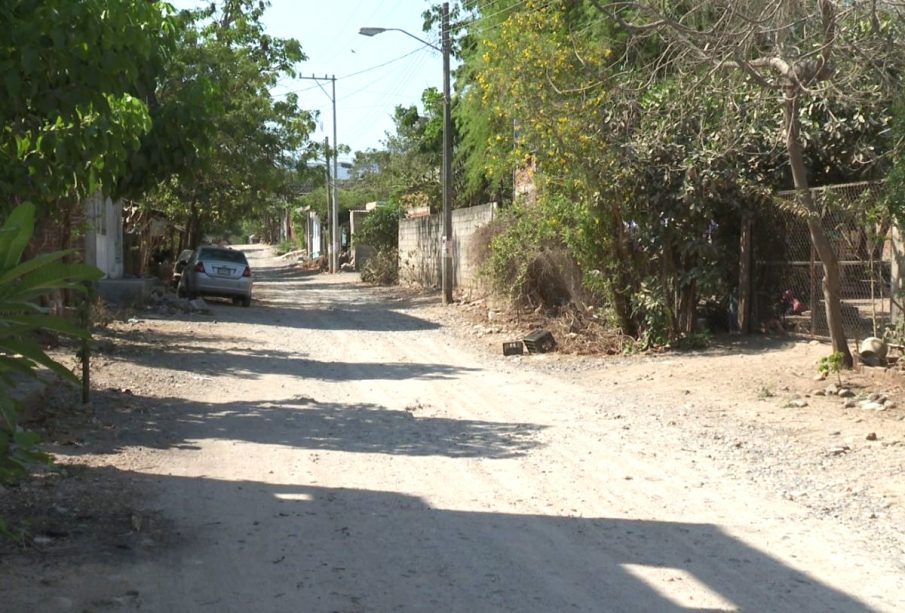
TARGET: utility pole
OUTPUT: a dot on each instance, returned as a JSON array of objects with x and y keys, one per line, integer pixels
[
  {"x": 333, "y": 203},
  {"x": 447, "y": 239},
  {"x": 334, "y": 217},
  {"x": 327, "y": 189}
]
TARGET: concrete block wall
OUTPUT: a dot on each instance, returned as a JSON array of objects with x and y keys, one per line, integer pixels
[
  {"x": 419, "y": 247},
  {"x": 360, "y": 253},
  {"x": 419, "y": 251}
]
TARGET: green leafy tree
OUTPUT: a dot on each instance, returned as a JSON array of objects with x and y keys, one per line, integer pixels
[
  {"x": 407, "y": 168},
  {"x": 546, "y": 119},
  {"x": 76, "y": 78},
  {"x": 796, "y": 51},
  {"x": 380, "y": 228},
  {"x": 644, "y": 165},
  {"x": 252, "y": 139}
]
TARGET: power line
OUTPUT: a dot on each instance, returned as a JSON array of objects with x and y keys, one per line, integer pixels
[
  {"x": 401, "y": 57},
  {"x": 491, "y": 28},
  {"x": 354, "y": 74}
]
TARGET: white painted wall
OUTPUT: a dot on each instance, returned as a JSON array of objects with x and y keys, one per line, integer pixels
[{"x": 104, "y": 235}]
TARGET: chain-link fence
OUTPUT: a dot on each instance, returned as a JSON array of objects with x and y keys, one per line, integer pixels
[{"x": 789, "y": 276}]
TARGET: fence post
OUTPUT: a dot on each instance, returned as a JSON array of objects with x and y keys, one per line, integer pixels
[
  {"x": 896, "y": 264},
  {"x": 813, "y": 299}
]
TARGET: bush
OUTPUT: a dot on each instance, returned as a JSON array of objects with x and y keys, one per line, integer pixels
[
  {"x": 382, "y": 268},
  {"x": 522, "y": 256},
  {"x": 380, "y": 228},
  {"x": 285, "y": 246}
]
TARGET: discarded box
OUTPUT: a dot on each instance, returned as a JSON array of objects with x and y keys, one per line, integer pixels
[
  {"x": 540, "y": 341},
  {"x": 513, "y": 348}
]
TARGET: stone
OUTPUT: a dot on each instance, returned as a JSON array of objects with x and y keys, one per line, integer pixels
[
  {"x": 846, "y": 393},
  {"x": 832, "y": 388},
  {"x": 850, "y": 403},
  {"x": 890, "y": 404},
  {"x": 198, "y": 304},
  {"x": 872, "y": 436},
  {"x": 872, "y": 406}
]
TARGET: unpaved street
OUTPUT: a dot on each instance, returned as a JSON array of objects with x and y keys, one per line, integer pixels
[{"x": 332, "y": 448}]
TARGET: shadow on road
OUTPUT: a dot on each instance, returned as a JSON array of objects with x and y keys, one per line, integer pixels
[
  {"x": 311, "y": 548},
  {"x": 303, "y": 423},
  {"x": 344, "y": 312},
  {"x": 247, "y": 363}
]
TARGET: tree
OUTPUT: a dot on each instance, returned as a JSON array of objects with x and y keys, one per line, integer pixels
[
  {"x": 796, "y": 49},
  {"x": 252, "y": 140},
  {"x": 407, "y": 168},
  {"x": 644, "y": 165},
  {"x": 75, "y": 78},
  {"x": 548, "y": 116}
]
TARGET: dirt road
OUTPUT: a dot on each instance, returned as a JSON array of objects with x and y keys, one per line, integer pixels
[{"x": 334, "y": 449}]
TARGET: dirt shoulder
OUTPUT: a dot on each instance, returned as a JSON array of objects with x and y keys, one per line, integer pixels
[{"x": 755, "y": 406}]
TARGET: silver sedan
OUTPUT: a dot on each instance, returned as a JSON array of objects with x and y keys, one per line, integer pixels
[{"x": 217, "y": 271}]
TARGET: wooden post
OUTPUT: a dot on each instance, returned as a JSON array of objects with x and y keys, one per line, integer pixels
[
  {"x": 744, "y": 278},
  {"x": 85, "y": 348},
  {"x": 897, "y": 264},
  {"x": 813, "y": 299}
]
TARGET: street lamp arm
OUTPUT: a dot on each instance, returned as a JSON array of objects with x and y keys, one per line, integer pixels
[{"x": 366, "y": 31}]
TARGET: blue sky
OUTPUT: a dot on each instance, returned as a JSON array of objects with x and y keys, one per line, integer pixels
[{"x": 373, "y": 74}]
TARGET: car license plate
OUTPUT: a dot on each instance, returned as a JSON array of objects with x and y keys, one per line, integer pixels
[{"x": 225, "y": 272}]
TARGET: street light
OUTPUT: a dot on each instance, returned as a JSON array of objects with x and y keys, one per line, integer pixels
[{"x": 446, "y": 175}]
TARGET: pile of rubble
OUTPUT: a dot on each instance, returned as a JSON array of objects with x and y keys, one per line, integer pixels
[{"x": 874, "y": 401}]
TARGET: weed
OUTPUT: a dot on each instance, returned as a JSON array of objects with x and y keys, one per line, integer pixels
[{"x": 831, "y": 364}]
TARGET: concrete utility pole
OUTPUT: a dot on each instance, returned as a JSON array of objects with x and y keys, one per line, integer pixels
[
  {"x": 446, "y": 240},
  {"x": 327, "y": 189},
  {"x": 334, "y": 215},
  {"x": 333, "y": 205}
]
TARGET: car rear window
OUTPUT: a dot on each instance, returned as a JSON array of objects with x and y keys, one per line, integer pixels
[{"x": 228, "y": 255}]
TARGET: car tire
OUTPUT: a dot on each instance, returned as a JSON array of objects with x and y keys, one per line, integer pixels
[{"x": 246, "y": 301}]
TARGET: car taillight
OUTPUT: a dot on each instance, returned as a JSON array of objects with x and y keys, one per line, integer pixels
[
  {"x": 247, "y": 272},
  {"x": 199, "y": 267}
]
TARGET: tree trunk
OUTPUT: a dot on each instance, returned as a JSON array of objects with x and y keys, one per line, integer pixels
[
  {"x": 194, "y": 225},
  {"x": 743, "y": 315},
  {"x": 622, "y": 271},
  {"x": 831, "y": 281},
  {"x": 686, "y": 309}
]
